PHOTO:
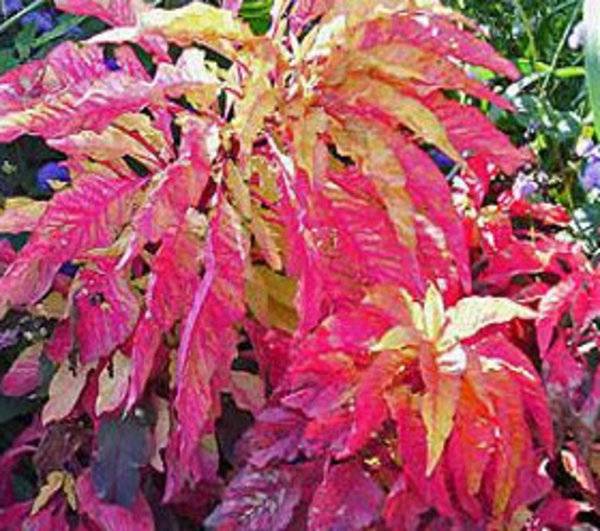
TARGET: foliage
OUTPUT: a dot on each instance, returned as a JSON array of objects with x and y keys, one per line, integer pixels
[
  {"x": 546, "y": 40},
  {"x": 265, "y": 306}
]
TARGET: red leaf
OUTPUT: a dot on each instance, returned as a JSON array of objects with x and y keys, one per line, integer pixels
[
  {"x": 106, "y": 312},
  {"x": 178, "y": 188},
  {"x": 24, "y": 374},
  {"x": 174, "y": 273},
  {"x": 559, "y": 512},
  {"x": 348, "y": 498},
  {"x": 275, "y": 436},
  {"x": 86, "y": 217},
  {"x": 439, "y": 35},
  {"x": 113, "y": 517},
  {"x": 209, "y": 340},
  {"x": 470, "y": 130},
  {"x": 146, "y": 342},
  {"x": 260, "y": 499}
]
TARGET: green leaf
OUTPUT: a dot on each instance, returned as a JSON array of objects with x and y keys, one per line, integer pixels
[
  {"x": 258, "y": 15},
  {"x": 591, "y": 18}
]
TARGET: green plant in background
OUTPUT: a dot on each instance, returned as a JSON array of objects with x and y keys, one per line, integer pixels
[
  {"x": 546, "y": 40},
  {"x": 592, "y": 56}
]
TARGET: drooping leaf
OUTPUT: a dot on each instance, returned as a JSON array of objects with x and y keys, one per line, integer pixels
[
  {"x": 439, "y": 405},
  {"x": 209, "y": 340},
  {"x": 281, "y": 491},
  {"x": 197, "y": 22},
  {"x": 115, "y": 12}
]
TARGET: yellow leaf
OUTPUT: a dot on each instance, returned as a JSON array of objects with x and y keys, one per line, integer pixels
[
  {"x": 271, "y": 298},
  {"x": 196, "y": 22},
  {"x": 53, "y": 306},
  {"x": 54, "y": 482},
  {"x": 258, "y": 102},
  {"x": 306, "y": 131},
  {"x": 65, "y": 389},
  {"x": 415, "y": 311},
  {"x": 248, "y": 391},
  {"x": 408, "y": 111},
  {"x": 119, "y": 140},
  {"x": 21, "y": 214},
  {"x": 433, "y": 312},
  {"x": 520, "y": 519},
  {"x": 239, "y": 189},
  {"x": 113, "y": 383},
  {"x": 267, "y": 178},
  {"x": 380, "y": 61},
  {"x": 69, "y": 490},
  {"x": 439, "y": 406},
  {"x": 266, "y": 238},
  {"x": 472, "y": 314},
  {"x": 397, "y": 338},
  {"x": 366, "y": 143},
  {"x": 161, "y": 431}
]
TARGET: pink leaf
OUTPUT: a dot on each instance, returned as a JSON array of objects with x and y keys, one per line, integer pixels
[
  {"x": 113, "y": 517},
  {"x": 24, "y": 374},
  {"x": 209, "y": 340},
  {"x": 439, "y": 35},
  {"x": 88, "y": 216},
  {"x": 348, "y": 498},
  {"x": 107, "y": 311},
  {"x": 115, "y": 12},
  {"x": 146, "y": 342}
]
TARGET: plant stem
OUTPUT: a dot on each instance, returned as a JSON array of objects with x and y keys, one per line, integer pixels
[
  {"x": 528, "y": 29},
  {"x": 591, "y": 19},
  {"x": 561, "y": 45}
]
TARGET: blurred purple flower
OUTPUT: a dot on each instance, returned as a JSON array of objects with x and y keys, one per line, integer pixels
[
  {"x": 12, "y": 6},
  {"x": 52, "y": 171},
  {"x": 43, "y": 20},
  {"x": 524, "y": 186},
  {"x": 9, "y": 337},
  {"x": 441, "y": 159},
  {"x": 69, "y": 269},
  {"x": 111, "y": 64},
  {"x": 590, "y": 178}
]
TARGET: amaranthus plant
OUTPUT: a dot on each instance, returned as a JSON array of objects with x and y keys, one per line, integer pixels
[{"x": 269, "y": 307}]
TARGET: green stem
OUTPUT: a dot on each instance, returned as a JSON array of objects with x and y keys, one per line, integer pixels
[
  {"x": 591, "y": 19},
  {"x": 528, "y": 29},
  {"x": 561, "y": 45},
  {"x": 58, "y": 32},
  {"x": 17, "y": 16}
]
